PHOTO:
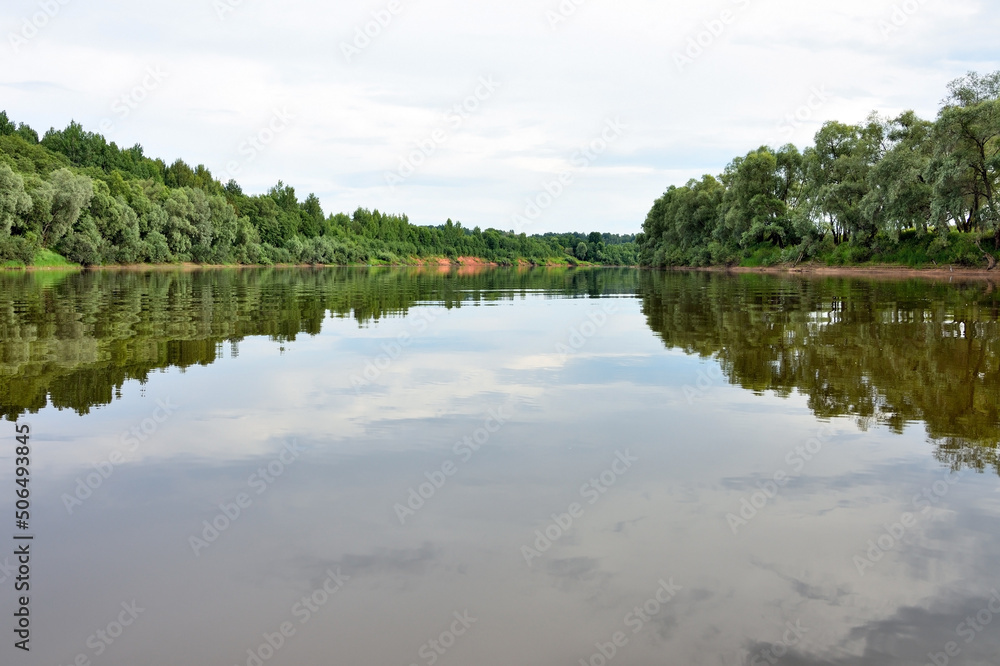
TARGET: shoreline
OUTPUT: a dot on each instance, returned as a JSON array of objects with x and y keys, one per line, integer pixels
[
  {"x": 462, "y": 263},
  {"x": 877, "y": 271},
  {"x": 881, "y": 271}
]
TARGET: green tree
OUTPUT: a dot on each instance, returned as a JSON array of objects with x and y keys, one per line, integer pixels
[
  {"x": 899, "y": 193},
  {"x": 966, "y": 165},
  {"x": 837, "y": 179},
  {"x": 81, "y": 147},
  {"x": 70, "y": 195},
  {"x": 179, "y": 175},
  {"x": 14, "y": 204},
  {"x": 679, "y": 229},
  {"x": 754, "y": 208},
  {"x": 7, "y": 127},
  {"x": 118, "y": 226},
  {"x": 312, "y": 217}
]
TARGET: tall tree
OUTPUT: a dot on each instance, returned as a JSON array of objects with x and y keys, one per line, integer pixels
[
  {"x": 899, "y": 193},
  {"x": 966, "y": 166},
  {"x": 70, "y": 195},
  {"x": 837, "y": 175},
  {"x": 754, "y": 208}
]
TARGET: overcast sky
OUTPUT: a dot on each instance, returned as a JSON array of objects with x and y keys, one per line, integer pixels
[{"x": 296, "y": 91}]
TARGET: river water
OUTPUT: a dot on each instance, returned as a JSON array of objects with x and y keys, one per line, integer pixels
[{"x": 393, "y": 467}]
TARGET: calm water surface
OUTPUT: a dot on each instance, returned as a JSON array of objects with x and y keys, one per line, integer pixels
[{"x": 504, "y": 467}]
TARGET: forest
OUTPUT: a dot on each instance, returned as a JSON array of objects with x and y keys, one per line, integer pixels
[
  {"x": 892, "y": 190},
  {"x": 71, "y": 196}
]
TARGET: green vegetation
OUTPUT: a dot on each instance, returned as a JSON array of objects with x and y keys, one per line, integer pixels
[
  {"x": 892, "y": 190},
  {"x": 73, "y": 194},
  {"x": 49, "y": 259}
]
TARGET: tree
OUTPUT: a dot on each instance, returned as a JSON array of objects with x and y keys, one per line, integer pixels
[
  {"x": 972, "y": 89},
  {"x": 679, "y": 229},
  {"x": 28, "y": 134},
  {"x": 180, "y": 229},
  {"x": 14, "y": 204},
  {"x": 754, "y": 209},
  {"x": 966, "y": 165},
  {"x": 7, "y": 127},
  {"x": 83, "y": 244},
  {"x": 225, "y": 228},
  {"x": 899, "y": 193},
  {"x": 312, "y": 217},
  {"x": 70, "y": 195},
  {"x": 179, "y": 174},
  {"x": 95, "y": 202},
  {"x": 81, "y": 147},
  {"x": 837, "y": 178},
  {"x": 117, "y": 224}
]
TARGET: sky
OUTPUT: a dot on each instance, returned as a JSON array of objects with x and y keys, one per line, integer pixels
[{"x": 531, "y": 115}]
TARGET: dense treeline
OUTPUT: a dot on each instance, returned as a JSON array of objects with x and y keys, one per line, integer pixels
[
  {"x": 94, "y": 203},
  {"x": 900, "y": 190}
]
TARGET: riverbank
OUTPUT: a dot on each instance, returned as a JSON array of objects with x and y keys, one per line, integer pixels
[
  {"x": 881, "y": 271},
  {"x": 467, "y": 264},
  {"x": 445, "y": 263}
]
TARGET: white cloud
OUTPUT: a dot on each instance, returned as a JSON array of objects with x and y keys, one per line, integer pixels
[{"x": 355, "y": 120}]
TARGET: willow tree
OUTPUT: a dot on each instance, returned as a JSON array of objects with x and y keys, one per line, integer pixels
[
  {"x": 899, "y": 191},
  {"x": 966, "y": 166}
]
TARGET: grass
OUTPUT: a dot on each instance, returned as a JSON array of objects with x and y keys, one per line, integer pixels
[
  {"x": 910, "y": 249},
  {"x": 49, "y": 259},
  {"x": 762, "y": 256},
  {"x": 915, "y": 251},
  {"x": 43, "y": 259}
]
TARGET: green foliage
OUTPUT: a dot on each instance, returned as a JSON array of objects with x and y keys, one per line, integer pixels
[
  {"x": 49, "y": 259},
  {"x": 763, "y": 254},
  {"x": 7, "y": 127},
  {"x": 83, "y": 245},
  {"x": 911, "y": 248},
  {"x": 682, "y": 225},
  {"x": 97, "y": 204},
  {"x": 70, "y": 195},
  {"x": 17, "y": 243},
  {"x": 881, "y": 191},
  {"x": 14, "y": 201}
]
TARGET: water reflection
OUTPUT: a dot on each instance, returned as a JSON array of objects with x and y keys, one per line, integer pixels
[
  {"x": 501, "y": 424},
  {"x": 888, "y": 353},
  {"x": 74, "y": 339}
]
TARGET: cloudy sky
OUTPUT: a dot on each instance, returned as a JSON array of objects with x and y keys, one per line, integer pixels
[{"x": 572, "y": 115}]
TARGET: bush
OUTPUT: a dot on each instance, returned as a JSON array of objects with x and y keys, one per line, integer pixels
[
  {"x": 156, "y": 250},
  {"x": 762, "y": 255},
  {"x": 19, "y": 249},
  {"x": 847, "y": 254},
  {"x": 80, "y": 248}
]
